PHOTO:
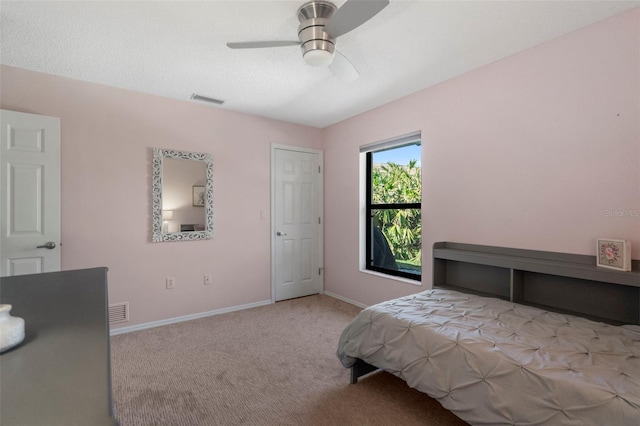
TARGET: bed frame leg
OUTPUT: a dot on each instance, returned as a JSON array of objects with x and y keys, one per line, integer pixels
[{"x": 359, "y": 369}]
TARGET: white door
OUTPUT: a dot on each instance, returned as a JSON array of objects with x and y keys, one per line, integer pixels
[
  {"x": 30, "y": 193},
  {"x": 297, "y": 223}
]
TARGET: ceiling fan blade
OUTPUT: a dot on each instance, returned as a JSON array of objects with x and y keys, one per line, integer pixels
[
  {"x": 343, "y": 69},
  {"x": 262, "y": 44},
  {"x": 352, "y": 14}
]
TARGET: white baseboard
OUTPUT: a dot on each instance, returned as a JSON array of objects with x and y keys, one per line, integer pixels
[
  {"x": 153, "y": 324},
  {"x": 345, "y": 299}
]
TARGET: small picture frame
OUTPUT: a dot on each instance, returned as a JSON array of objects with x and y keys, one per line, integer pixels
[
  {"x": 613, "y": 254},
  {"x": 198, "y": 196}
]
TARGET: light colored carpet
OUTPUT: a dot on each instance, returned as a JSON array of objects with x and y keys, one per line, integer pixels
[{"x": 272, "y": 365}]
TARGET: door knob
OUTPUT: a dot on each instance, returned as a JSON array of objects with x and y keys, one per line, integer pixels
[
  {"x": 280, "y": 234},
  {"x": 49, "y": 245}
]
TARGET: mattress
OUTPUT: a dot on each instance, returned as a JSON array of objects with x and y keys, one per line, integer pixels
[{"x": 490, "y": 361}]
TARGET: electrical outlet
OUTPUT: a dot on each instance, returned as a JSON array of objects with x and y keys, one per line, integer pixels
[
  {"x": 207, "y": 279},
  {"x": 171, "y": 282}
]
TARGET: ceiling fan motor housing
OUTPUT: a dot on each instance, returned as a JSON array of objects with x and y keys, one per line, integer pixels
[{"x": 317, "y": 46}]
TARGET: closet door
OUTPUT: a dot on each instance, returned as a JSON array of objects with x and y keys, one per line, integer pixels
[
  {"x": 29, "y": 193},
  {"x": 297, "y": 251}
]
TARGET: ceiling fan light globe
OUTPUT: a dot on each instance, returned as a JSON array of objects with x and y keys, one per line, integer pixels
[{"x": 318, "y": 58}]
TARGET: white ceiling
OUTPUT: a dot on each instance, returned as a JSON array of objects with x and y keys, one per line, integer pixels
[{"x": 176, "y": 48}]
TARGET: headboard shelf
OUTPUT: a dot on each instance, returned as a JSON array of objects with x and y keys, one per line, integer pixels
[
  {"x": 471, "y": 291},
  {"x": 561, "y": 282}
]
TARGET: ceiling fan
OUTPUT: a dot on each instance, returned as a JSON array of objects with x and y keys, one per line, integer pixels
[{"x": 321, "y": 23}]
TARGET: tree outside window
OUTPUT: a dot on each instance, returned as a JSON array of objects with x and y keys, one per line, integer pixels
[{"x": 394, "y": 223}]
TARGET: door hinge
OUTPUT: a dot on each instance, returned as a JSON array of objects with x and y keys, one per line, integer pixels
[
  {"x": 318, "y": 169},
  {"x": 319, "y": 222},
  {"x": 319, "y": 271}
]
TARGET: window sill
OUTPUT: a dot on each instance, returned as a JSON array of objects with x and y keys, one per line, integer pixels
[{"x": 392, "y": 277}]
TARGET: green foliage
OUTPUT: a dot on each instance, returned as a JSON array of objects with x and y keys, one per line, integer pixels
[{"x": 394, "y": 183}]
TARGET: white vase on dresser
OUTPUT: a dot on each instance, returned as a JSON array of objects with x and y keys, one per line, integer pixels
[{"x": 11, "y": 329}]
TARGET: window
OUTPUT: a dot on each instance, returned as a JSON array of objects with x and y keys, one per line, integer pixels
[{"x": 393, "y": 207}]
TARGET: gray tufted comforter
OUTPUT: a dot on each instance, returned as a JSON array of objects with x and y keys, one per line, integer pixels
[{"x": 490, "y": 361}]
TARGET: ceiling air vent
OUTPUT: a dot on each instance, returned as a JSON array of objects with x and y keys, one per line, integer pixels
[
  {"x": 118, "y": 312},
  {"x": 206, "y": 99}
]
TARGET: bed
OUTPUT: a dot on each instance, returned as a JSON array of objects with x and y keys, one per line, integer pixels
[{"x": 493, "y": 361}]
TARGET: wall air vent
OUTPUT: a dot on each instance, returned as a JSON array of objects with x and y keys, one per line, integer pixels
[
  {"x": 118, "y": 312},
  {"x": 206, "y": 99}
]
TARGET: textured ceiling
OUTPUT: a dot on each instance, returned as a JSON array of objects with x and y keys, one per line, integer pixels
[{"x": 176, "y": 48}]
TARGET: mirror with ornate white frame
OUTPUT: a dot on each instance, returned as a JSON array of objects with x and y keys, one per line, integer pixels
[{"x": 178, "y": 176}]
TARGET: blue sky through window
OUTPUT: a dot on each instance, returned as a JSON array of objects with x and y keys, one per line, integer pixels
[{"x": 399, "y": 155}]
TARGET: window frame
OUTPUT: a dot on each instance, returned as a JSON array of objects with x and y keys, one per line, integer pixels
[{"x": 370, "y": 207}]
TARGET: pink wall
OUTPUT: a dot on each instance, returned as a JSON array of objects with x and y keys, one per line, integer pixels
[
  {"x": 107, "y": 137},
  {"x": 528, "y": 152}
]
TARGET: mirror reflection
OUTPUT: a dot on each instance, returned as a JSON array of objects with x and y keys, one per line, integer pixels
[
  {"x": 183, "y": 183},
  {"x": 182, "y": 195}
]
